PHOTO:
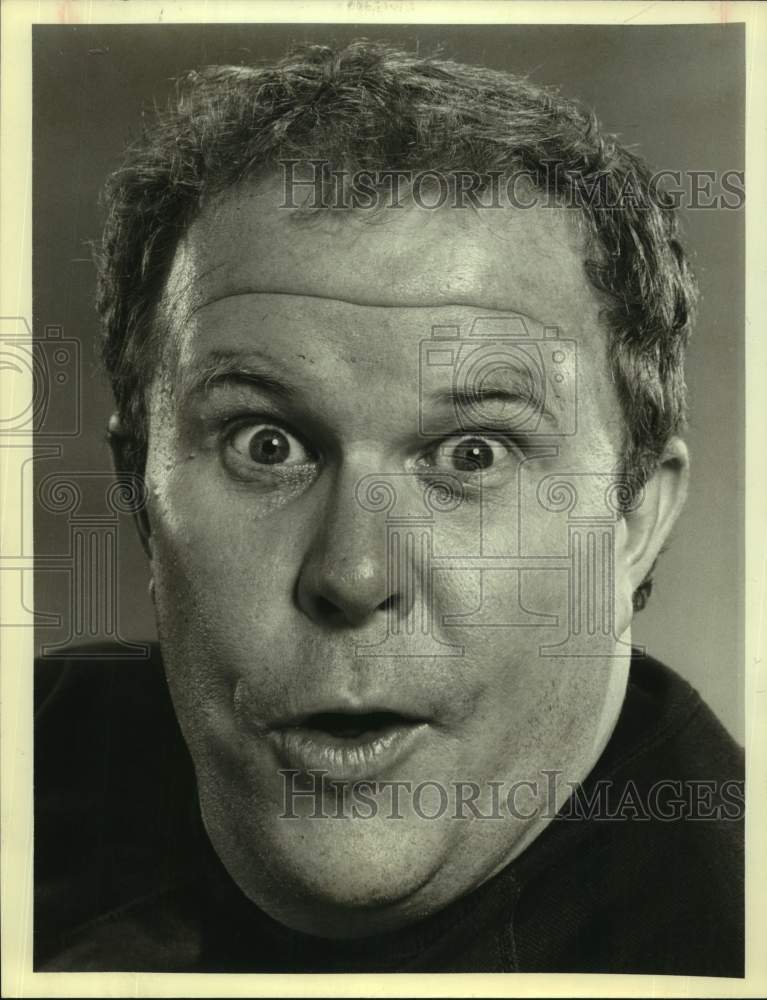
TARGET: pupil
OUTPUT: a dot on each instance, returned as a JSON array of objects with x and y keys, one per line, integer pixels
[
  {"x": 472, "y": 454},
  {"x": 269, "y": 447}
]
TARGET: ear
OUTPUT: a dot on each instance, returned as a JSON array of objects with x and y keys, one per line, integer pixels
[
  {"x": 647, "y": 528},
  {"x": 121, "y": 445}
]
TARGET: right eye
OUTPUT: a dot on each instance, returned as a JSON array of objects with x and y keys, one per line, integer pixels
[{"x": 268, "y": 445}]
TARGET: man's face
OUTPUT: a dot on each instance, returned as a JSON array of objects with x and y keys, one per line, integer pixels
[{"x": 319, "y": 484}]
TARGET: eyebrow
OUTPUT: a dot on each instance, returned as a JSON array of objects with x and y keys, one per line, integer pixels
[
  {"x": 234, "y": 368},
  {"x": 255, "y": 370},
  {"x": 519, "y": 388}
]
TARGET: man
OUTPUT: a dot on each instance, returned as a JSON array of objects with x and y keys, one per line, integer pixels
[{"x": 397, "y": 349}]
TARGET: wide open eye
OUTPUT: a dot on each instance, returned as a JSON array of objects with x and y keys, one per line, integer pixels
[
  {"x": 266, "y": 444},
  {"x": 467, "y": 453}
]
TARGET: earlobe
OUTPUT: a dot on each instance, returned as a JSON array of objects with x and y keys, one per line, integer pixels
[
  {"x": 120, "y": 445},
  {"x": 648, "y": 526}
]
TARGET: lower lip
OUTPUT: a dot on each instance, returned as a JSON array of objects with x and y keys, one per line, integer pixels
[{"x": 357, "y": 758}]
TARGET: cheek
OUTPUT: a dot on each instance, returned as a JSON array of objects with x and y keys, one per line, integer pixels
[
  {"x": 224, "y": 581},
  {"x": 218, "y": 544},
  {"x": 545, "y": 713},
  {"x": 533, "y": 709}
]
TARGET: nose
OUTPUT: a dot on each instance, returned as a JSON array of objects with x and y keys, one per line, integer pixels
[{"x": 348, "y": 575}]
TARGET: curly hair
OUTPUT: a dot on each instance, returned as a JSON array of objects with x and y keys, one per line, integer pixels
[{"x": 369, "y": 107}]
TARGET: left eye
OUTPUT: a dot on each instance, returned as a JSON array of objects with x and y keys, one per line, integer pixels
[
  {"x": 266, "y": 444},
  {"x": 469, "y": 453}
]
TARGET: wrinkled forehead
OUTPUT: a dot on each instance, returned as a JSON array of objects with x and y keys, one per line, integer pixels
[
  {"x": 256, "y": 283},
  {"x": 250, "y": 274},
  {"x": 528, "y": 261}
]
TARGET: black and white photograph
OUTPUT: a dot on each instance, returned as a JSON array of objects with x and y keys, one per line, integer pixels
[{"x": 385, "y": 455}]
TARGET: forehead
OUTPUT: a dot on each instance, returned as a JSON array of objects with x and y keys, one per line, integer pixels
[
  {"x": 527, "y": 261},
  {"x": 363, "y": 289}
]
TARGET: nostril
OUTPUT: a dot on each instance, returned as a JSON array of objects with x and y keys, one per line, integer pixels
[
  {"x": 332, "y": 611},
  {"x": 327, "y": 609}
]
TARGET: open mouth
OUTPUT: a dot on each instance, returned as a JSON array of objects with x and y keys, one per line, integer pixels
[
  {"x": 354, "y": 725},
  {"x": 348, "y": 744}
]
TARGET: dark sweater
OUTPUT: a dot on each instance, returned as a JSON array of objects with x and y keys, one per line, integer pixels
[{"x": 126, "y": 879}]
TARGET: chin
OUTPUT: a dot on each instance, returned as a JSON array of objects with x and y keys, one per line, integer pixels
[{"x": 333, "y": 877}]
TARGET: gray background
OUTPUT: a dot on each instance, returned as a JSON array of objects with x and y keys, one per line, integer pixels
[{"x": 674, "y": 93}]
